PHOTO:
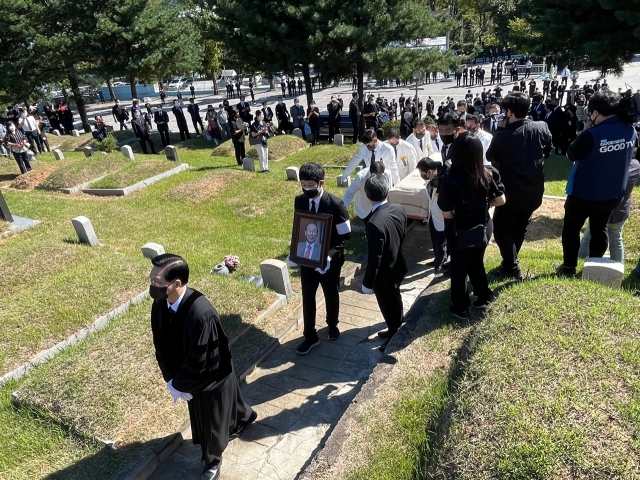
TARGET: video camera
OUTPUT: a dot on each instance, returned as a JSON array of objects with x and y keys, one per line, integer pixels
[{"x": 630, "y": 108}]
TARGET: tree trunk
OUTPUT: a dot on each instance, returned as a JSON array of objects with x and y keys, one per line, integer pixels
[
  {"x": 110, "y": 87},
  {"x": 132, "y": 85},
  {"x": 306, "y": 72},
  {"x": 272, "y": 82},
  {"x": 360, "y": 75},
  {"x": 77, "y": 95},
  {"x": 215, "y": 84}
]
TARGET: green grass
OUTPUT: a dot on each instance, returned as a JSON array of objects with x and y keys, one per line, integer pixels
[
  {"x": 61, "y": 286},
  {"x": 551, "y": 389},
  {"x": 135, "y": 172},
  {"x": 556, "y": 173},
  {"x": 70, "y": 143},
  {"x": 280, "y": 146},
  {"x": 84, "y": 170}
]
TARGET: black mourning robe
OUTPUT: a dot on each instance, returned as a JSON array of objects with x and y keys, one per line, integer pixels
[{"x": 193, "y": 350}]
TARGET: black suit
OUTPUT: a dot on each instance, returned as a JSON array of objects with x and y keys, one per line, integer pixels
[
  {"x": 282, "y": 114},
  {"x": 162, "y": 124},
  {"x": 244, "y": 110},
  {"x": 141, "y": 131},
  {"x": 181, "y": 121},
  {"x": 354, "y": 116},
  {"x": 330, "y": 281},
  {"x": 386, "y": 266}
]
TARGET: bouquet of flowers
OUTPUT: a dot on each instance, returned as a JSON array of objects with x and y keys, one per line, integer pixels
[{"x": 231, "y": 262}]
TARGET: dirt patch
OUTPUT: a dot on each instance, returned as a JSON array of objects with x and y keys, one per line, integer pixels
[
  {"x": 251, "y": 211},
  {"x": 205, "y": 187},
  {"x": 547, "y": 220},
  {"x": 30, "y": 179}
]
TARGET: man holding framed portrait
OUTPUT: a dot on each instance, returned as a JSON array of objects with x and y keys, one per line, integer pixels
[{"x": 321, "y": 228}]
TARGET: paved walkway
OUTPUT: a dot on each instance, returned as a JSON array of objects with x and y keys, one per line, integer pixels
[{"x": 299, "y": 399}]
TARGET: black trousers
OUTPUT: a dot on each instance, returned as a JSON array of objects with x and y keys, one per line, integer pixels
[
  {"x": 438, "y": 240},
  {"x": 576, "y": 212},
  {"x": 215, "y": 415},
  {"x": 355, "y": 125},
  {"x": 22, "y": 159},
  {"x": 333, "y": 129},
  {"x": 163, "y": 130},
  {"x": 184, "y": 131},
  {"x": 239, "y": 151},
  {"x": 35, "y": 141},
  {"x": 330, "y": 282},
  {"x": 390, "y": 303},
  {"x": 143, "y": 144},
  {"x": 197, "y": 121},
  {"x": 468, "y": 262},
  {"x": 510, "y": 222}
]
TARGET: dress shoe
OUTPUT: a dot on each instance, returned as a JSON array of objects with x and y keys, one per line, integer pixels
[
  {"x": 239, "y": 431},
  {"x": 334, "y": 333},
  {"x": 386, "y": 333},
  {"x": 211, "y": 471},
  {"x": 306, "y": 346}
]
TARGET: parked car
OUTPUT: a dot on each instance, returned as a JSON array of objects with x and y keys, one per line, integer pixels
[{"x": 177, "y": 83}]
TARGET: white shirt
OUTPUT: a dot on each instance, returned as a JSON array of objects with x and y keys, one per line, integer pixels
[
  {"x": 485, "y": 138},
  {"x": 362, "y": 205},
  {"x": 436, "y": 146},
  {"x": 176, "y": 304},
  {"x": 434, "y": 210},
  {"x": 426, "y": 150},
  {"x": 566, "y": 72},
  {"x": 406, "y": 158},
  {"x": 377, "y": 205},
  {"x": 314, "y": 203},
  {"x": 383, "y": 153},
  {"x": 529, "y": 64},
  {"x": 29, "y": 124}
]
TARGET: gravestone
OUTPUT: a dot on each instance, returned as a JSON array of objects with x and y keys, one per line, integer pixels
[
  {"x": 85, "y": 231},
  {"x": 297, "y": 132},
  {"x": 75, "y": 133},
  {"x": 275, "y": 275},
  {"x": 56, "y": 132},
  {"x": 5, "y": 213},
  {"x": 343, "y": 181},
  {"x": 249, "y": 164},
  {"x": 338, "y": 139},
  {"x": 171, "y": 153},
  {"x": 57, "y": 154},
  {"x": 604, "y": 271},
  {"x": 293, "y": 173},
  {"x": 127, "y": 151},
  {"x": 151, "y": 250},
  {"x": 88, "y": 151}
]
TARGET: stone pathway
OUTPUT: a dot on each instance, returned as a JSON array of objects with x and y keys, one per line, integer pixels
[{"x": 299, "y": 399}]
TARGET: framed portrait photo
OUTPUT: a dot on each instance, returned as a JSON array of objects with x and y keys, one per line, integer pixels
[{"x": 310, "y": 239}]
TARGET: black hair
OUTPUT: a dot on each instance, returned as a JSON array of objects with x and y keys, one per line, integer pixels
[
  {"x": 427, "y": 164},
  {"x": 473, "y": 118},
  {"x": 380, "y": 133},
  {"x": 311, "y": 172},
  {"x": 467, "y": 156},
  {"x": 518, "y": 102},
  {"x": 419, "y": 123},
  {"x": 354, "y": 94},
  {"x": 451, "y": 119},
  {"x": 175, "y": 267},
  {"x": 369, "y": 136},
  {"x": 393, "y": 133},
  {"x": 605, "y": 102},
  {"x": 462, "y": 103},
  {"x": 376, "y": 167},
  {"x": 376, "y": 188}
]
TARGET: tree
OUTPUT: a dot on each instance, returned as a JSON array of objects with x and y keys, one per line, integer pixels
[{"x": 147, "y": 40}]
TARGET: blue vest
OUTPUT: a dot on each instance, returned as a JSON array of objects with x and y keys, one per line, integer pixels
[{"x": 602, "y": 174}]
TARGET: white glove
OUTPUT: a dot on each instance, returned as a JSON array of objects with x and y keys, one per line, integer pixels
[
  {"x": 176, "y": 394},
  {"x": 290, "y": 263},
  {"x": 326, "y": 269},
  {"x": 367, "y": 291}
]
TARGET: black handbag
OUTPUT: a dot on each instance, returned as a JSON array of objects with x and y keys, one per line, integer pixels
[{"x": 473, "y": 238}]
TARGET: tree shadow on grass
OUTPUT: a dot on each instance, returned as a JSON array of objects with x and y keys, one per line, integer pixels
[{"x": 9, "y": 177}]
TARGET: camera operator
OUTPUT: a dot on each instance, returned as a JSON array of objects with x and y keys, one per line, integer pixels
[{"x": 597, "y": 182}]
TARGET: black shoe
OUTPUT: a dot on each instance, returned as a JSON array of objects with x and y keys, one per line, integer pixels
[
  {"x": 459, "y": 314},
  {"x": 334, "y": 333},
  {"x": 384, "y": 346},
  {"x": 238, "y": 432},
  {"x": 211, "y": 471},
  {"x": 514, "y": 273},
  {"x": 481, "y": 304},
  {"x": 565, "y": 271},
  {"x": 306, "y": 346},
  {"x": 386, "y": 333}
]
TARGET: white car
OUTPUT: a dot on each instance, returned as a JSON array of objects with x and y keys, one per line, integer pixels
[{"x": 176, "y": 84}]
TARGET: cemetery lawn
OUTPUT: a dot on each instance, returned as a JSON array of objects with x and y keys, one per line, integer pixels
[
  {"x": 280, "y": 146},
  {"x": 60, "y": 286},
  {"x": 68, "y": 142},
  {"x": 556, "y": 174},
  {"x": 135, "y": 172},
  {"x": 84, "y": 170}
]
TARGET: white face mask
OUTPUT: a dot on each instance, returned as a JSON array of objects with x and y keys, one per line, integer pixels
[{"x": 12, "y": 128}]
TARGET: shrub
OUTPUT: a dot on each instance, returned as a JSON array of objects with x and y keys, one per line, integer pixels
[
  {"x": 389, "y": 125},
  {"x": 108, "y": 144}
]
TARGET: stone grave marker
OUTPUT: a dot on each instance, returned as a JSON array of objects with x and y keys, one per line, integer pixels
[
  {"x": 88, "y": 151},
  {"x": 338, "y": 139},
  {"x": 293, "y": 173},
  {"x": 297, "y": 132},
  {"x": 343, "y": 181},
  {"x": 57, "y": 154},
  {"x": 604, "y": 271},
  {"x": 249, "y": 164},
  {"x": 85, "y": 231},
  {"x": 56, "y": 132},
  {"x": 5, "y": 213},
  {"x": 75, "y": 133},
  {"x": 171, "y": 153},
  {"x": 275, "y": 275},
  {"x": 127, "y": 151},
  {"x": 151, "y": 250}
]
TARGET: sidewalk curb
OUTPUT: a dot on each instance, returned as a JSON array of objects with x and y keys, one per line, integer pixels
[{"x": 147, "y": 466}]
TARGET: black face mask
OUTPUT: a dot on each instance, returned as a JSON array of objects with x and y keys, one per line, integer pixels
[
  {"x": 419, "y": 136},
  {"x": 446, "y": 139},
  {"x": 310, "y": 192},
  {"x": 371, "y": 148},
  {"x": 158, "y": 293}
]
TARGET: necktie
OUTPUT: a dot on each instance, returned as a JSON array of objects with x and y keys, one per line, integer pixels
[
  {"x": 437, "y": 144},
  {"x": 312, "y": 207},
  {"x": 420, "y": 145},
  {"x": 373, "y": 156},
  {"x": 307, "y": 252},
  {"x": 395, "y": 149}
]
